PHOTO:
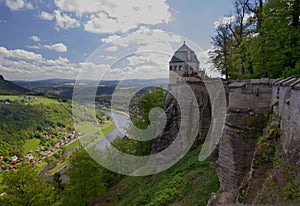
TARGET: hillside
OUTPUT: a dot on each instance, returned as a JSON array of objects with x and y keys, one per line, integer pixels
[
  {"x": 7, "y": 87},
  {"x": 189, "y": 182},
  {"x": 28, "y": 118}
]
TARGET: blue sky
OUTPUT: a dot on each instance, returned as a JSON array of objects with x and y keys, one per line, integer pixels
[{"x": 54, "y": 39}]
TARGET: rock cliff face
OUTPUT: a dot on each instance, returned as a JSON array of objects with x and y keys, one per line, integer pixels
[
  {"x": 242, "y": 177},
  {"x": 237, "y": 146},
  {"x": 247, "y": 115},
  {"x": 174, "y": 116}
]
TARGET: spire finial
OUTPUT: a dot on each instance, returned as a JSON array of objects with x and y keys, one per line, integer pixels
[{"x": 183, "y": 42}]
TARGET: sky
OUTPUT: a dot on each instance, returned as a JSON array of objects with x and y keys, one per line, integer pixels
[{"x": 101, "y": 39}]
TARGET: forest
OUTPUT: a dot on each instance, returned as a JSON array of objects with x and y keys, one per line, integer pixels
[{"x": 259, "y": 39}]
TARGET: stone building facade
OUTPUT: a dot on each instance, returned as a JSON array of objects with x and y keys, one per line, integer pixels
[{"x": 184, "y": 66}]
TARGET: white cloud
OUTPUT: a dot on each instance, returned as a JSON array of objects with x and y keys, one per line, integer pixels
[
  {"x": 64, "y": 21},
  {"x": 33, "y": 46},
  {"x": 247, "y": 17},
  {"x": 110, "y": 38},
  {"x": 29, "y": 6},
  {"x": 117, "y": 16},
  {"x": 112, "y": 49},
  {"x": 15, "y": 5},
  {"x": 59, "y": 47},
  {"x": 20, "y": 54},
  {"x": 46, "y": 16},
  {"x": 35, "y": 38},
  {"x": 21, "y": 64},
  {"x": 226, "y": 20},
  {"x": 141, "y": 54},
  {"x": 146, "y": 39}
]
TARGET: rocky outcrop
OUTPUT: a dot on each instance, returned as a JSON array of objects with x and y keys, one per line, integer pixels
[
  {"x": 1, "y": 77},
  {"x": 242, "y": 177},
  {"x": 172, "y": 125},
  {"x": 237, "y": 146},
  {"x": 247, "y": 115}
]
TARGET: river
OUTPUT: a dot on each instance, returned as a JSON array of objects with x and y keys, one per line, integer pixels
[{"x": 122, "y": 122}]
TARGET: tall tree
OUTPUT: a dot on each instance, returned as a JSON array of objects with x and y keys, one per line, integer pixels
[
  {"x": 240, "y": 28},
  {"x": 24, "y": 187},
  {"x": 220, "y": 55},
  {"x": 230, "y": 52},
  {"x": 281, "y": 37},
  {"x": 86, "y": 180},
  {"x": 264, "y": 39}
]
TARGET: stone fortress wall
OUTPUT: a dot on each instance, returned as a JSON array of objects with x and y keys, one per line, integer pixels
[
  {"x": 281, "y": 96},
  {"x": 250, "y": 103}
]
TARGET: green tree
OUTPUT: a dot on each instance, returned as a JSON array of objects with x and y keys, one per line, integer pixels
[
  {"x": 281, "y": 37},
  {"x": 24, "y": 187},
  {"x": 264, "y": 40},
  {"x": 220, "y": 55},
  {"x": 86, "y": 180}
]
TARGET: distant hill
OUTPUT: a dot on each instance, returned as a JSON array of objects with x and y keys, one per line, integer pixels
[
  {"x": 63, "y": 82},
  {"x": 8, "y": 88},
  {"x": 64, "y": 87},
  {"x": 44, "y": 83}
]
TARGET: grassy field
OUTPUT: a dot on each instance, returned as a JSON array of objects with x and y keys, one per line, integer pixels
[
  {"x": 11, "y": 97},
  {"x": 31, "y": 144},
  {"x": 58, "y": 167},
  {"x": 85, "y": 127},
  {"x": 28, "y": 99},
  {"x": 107, "y": 128},
  {"x": 72, "y": 145}
]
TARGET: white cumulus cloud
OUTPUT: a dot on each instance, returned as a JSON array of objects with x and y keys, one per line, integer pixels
[
  {"x": 112, "y": 49},
  {"x": 15, "y": 5},
  {"x": 117, "y": 16},
  {"x": 22, "y": 64},
  {"x": 64, "y": 21},
  {"x": 59, "y": 47},
  {"x": 226, "y": 20},
  {"x": 46, "y": 16},
  {"x": 35, "y": 38}
]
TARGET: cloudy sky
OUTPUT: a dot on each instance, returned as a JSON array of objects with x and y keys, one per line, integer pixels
[{"x": 102, "y": 38}]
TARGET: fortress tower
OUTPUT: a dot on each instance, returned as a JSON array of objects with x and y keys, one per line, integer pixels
[{"x": 184, "y": 66}]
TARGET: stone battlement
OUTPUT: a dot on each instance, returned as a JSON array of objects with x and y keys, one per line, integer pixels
[
  {"x": 282, "y": 96},
  {"x": 249, "y": 103}
]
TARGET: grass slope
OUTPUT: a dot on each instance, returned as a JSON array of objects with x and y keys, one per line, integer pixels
[
  {"x": 31, "y": 145},
  {"x": 24, "y": 121},
  {"x": 189, "y": 182}
]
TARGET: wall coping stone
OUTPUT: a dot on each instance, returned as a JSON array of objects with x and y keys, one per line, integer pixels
[
  {"x": 237, "y": 84},
  {"x": 289, "y": 82},
  {"x": 279, "y": 83},
  {"x": 296, "y": 86},
  {"x": 277, "y": 80}
]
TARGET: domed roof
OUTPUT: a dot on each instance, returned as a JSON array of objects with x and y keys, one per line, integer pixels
[{"x": 184, "y": 54}]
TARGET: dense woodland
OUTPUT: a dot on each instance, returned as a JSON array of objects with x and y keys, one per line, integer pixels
[
  {"x": 259, "y": 39},
  {"x": 20, "y": 122}
]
